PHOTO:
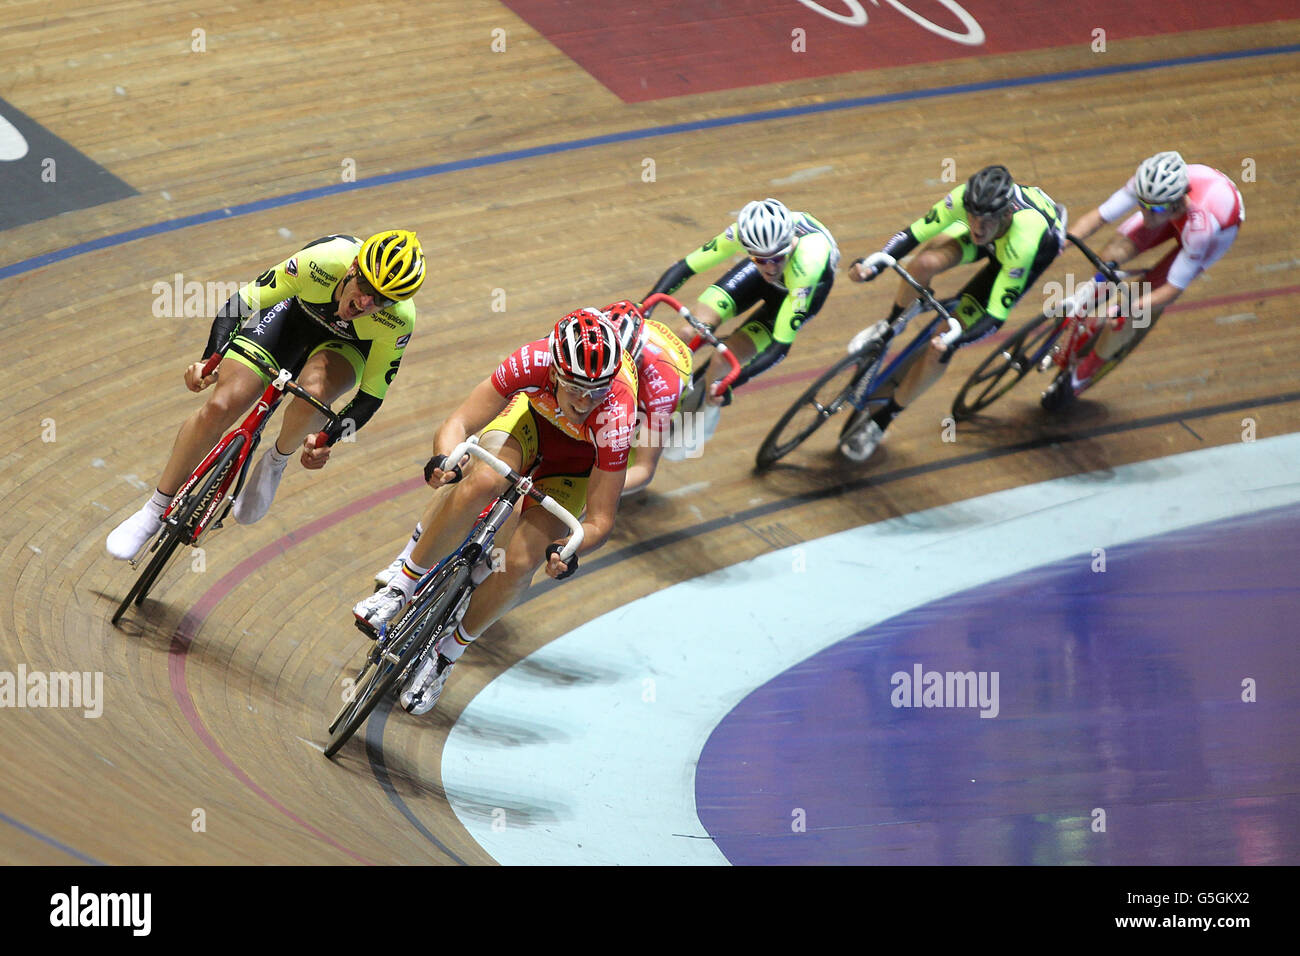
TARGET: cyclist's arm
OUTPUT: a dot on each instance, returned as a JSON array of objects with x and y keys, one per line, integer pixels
[
  {"x": 604, "y": 488},
  {"x": 718, "y": 249},
  {"x": 941, "y": 215},
  {"x": 483, "y": 404},
  {"x": 1119, "y": 203},
  {"x": 274, "y": 285},
  {"x": 382, "y": 363}
]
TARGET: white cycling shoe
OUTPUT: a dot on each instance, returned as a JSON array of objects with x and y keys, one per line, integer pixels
[
  {"x": 376, "y": 612},
  {"x": 859, "y": 445},
  {"x": 127, "y": 539},
  {"x": 255, "y": 500},
  {"x": 425, "y": 686},
  {"x": 859, "y": 341},
  {"x": 385, "y": 577}
]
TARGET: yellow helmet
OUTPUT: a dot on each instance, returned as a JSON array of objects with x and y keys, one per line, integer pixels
[{"x": 393, "y": 263}]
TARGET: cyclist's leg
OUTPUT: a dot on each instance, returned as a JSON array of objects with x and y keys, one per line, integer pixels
[
  {"x": 950, "y": 248},
  {"x": 237, "y": 388},
  {"x": 327, "y": 373},
  {"x": 450, "y": 514},
  {"x": 563, "y": 475},
  {"x": 735, "y": 293},
  {"x": 772, "y": 328},
  {"x": 332, "y": 370},
  {"x": 513, "y": 437}
]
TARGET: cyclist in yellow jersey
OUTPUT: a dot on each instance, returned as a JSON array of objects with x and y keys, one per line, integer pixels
[
  {"x": 336, "y": 314},
  {"x": 790, "y": 267},
  {"x": 663, "y": 373}
]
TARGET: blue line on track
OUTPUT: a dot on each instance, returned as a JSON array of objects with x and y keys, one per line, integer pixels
[
  {"x": 5, "y": 818},
  {"x": 721, "y": 122}
]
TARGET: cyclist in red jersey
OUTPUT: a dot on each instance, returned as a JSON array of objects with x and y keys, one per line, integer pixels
[
  {"x": 563, "y": 407},
  {"x": 1197, "y": 206},
  {"x": 663, "y": 371}
]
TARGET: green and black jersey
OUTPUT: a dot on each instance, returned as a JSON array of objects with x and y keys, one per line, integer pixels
[
  {"x": 372, "y": 343},
  {"x": 814, "y": 255},
  {"x": 1035, "y": 234}
]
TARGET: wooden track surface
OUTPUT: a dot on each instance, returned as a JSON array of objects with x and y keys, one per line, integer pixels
[{"x": 231, "y": 725}]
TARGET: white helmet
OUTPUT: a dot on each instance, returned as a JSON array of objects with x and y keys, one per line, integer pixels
[
  {"x": 765, "y": 228},
  {"x": 1162, "y": 178}
]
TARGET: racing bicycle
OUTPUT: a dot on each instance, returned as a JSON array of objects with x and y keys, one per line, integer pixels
[
  {"x": 204, "y": 500},
  {"x": 861, "y": 382},
  {"x": 441, "y": 598},
  {"x": 1055, "y": 340}
]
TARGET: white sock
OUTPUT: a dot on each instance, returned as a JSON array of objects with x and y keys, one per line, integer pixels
[
  {"x": 408, "y": 577},
  {"x": 410, "y": 545},
  {"x": 277, "y": 457},
  {"x": 158, "y": 502},
  {"x": 454, "y": 644}
]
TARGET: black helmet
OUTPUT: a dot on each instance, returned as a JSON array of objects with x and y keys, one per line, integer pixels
[{"x": 989, "y": 192}]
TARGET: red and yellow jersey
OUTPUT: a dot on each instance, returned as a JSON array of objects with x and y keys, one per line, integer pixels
[
  {"x": 610, "y": 425},
  {"x": 663, "y": 372}
]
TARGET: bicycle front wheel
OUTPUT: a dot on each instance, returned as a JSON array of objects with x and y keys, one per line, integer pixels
[
  {"x": 173, "y": 535},
  {"x": 1005, "y": 366},
  {"x": 422, "y": 623},
  {"x": 810, "y": 411}
]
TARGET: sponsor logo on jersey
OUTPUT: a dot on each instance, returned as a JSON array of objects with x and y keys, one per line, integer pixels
[
  {"x": 321, "y": 275},
  {"x": 384, "y": 319},
  {"x": 291, "y": 266},
  {"x": 514, "y": 366},
  {"x": 1016, "y": 273},
  {"x": 402, "y": 340}
]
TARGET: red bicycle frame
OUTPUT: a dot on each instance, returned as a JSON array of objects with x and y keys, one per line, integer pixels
[
  {"x": 702, "y": 334},
  {"x": 249, "y": 428}
]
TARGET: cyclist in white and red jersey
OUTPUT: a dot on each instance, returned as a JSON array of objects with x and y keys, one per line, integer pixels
[
  {"x": 1197, "y": 206},
  {"x": 663, "y": 372},
  {"x": 562, "y": 408}
]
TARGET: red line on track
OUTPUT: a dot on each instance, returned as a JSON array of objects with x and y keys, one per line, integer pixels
[{"x": 194, "y": 619}]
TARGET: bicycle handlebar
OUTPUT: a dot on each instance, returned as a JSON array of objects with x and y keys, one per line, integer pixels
[
  {"x": 282, "y": 380},
  {"x": 471, "y": 447},
  {"x": 702, "y": 334},
  {"x": 885, "y": 259}
]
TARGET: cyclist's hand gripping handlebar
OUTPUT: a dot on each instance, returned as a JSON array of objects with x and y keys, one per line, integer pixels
[
  {"x": 883, "y": 260},
  {"x": 471, "y": 447},
  {"x": 702, "y": 334}
]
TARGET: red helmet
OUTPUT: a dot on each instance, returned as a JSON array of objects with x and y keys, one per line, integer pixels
[
  {"x": 585, "y": 349},
  {"x": 628, "y": 321}
]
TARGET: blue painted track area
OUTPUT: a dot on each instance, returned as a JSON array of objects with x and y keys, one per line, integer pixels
[{"x": 1119, "y": 692}]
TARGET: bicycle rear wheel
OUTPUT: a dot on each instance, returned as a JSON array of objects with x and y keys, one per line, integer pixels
[
  {"x": 1005, "y": 366},
  {"x": 415, "y": 630},
  {"x": 173, "y": 535},
  {"x": 820, "y": 401}
]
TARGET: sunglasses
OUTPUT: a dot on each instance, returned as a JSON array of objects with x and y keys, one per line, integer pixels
[
  {"x": 366, "y": 289},
  {"x": 1158, "y": 207},
  {"x": 776, "y": 259},
  {"x": 594, "y": 394}
]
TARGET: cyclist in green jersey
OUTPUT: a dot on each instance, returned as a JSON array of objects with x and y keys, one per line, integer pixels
[
  {"x": 790, "y": 267},
  {"x": 1018, "y": 229},
  {"x": 336, "y": 314}
]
